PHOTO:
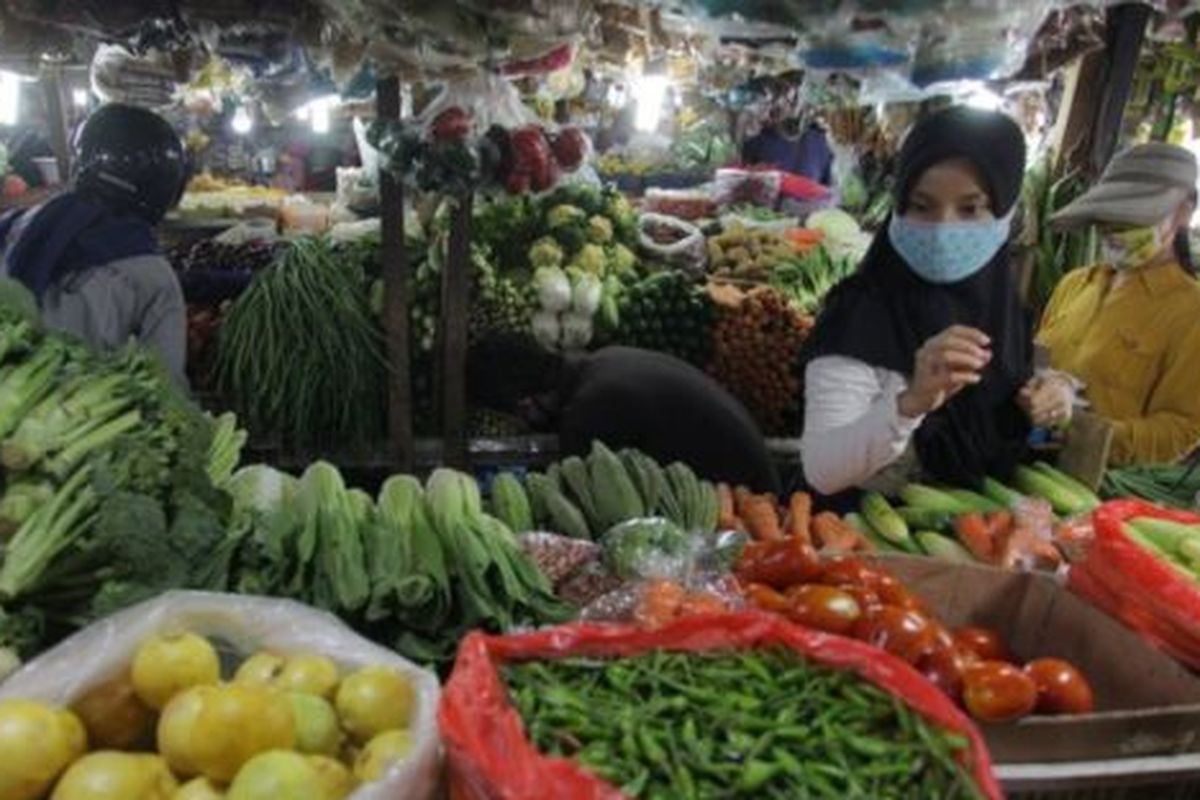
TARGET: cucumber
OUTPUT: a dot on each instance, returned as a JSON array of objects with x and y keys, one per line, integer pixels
[
  {"x": 920, "y": 496},
  {"x": 1039, "y": 484},
  {"x": 979, "y": 503},
  {"x": 1166, "y": 535},
  {"x": 999, "y": 493},
  {"x": 1085, "y": 493},
  {"x": 884, "y": 520},
  {"x": 1165, "y": 558},
  {"x": 926, "y": 519},
  {"x": 943, "y": 547},
  {"x": 856, "y": 521}
]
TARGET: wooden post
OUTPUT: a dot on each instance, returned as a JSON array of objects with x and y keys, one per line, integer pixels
[
  {"x": 1098, "y": 89},
  {"x": 56, "y": 117},
  {"x": 452, "y": 328},
  {"x": 396, "y": 283},
  {"x": 1127, "y": 29}
]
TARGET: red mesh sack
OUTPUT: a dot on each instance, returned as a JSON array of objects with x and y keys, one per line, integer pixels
[
  {"x": 489, "y": 757},
  {"x": 1122, "y": 578}
]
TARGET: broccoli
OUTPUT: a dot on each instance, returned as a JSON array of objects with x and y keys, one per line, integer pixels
[
  {"x": 545, "y": 253},
  {"x": 599, "y": 230},
  {"x": 563, "y": 216},
  {"x": 591, "y": 259},
  {"x": 571, "y": 237},
  {"x": 622, "y": 261}
]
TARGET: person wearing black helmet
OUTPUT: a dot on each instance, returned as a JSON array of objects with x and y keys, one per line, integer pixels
[{"x": 90, "y": 256}]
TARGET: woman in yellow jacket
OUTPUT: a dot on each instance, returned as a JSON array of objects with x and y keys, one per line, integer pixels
[{"x": 1129, "y": 329}]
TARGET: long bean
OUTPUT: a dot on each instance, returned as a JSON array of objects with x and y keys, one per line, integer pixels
[
  {"x": 731, "y": 725},
  {"x": 300, "y": 354}
]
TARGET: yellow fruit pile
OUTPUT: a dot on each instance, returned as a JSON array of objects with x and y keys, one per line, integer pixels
[{"x": 285, "y": 726}]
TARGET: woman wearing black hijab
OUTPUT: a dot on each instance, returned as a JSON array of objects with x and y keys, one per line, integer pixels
[{"x": 921, "y": 364}]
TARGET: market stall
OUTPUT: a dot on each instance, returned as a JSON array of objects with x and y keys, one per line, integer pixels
[{"x": 329, "y": 575}]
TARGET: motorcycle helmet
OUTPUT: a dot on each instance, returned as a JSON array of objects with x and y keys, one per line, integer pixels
[{"x": 131, "y": 159}]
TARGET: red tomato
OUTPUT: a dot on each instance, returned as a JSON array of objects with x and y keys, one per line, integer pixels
[
  {"x": 906, "y": 634},
  {"x": 848, "y": 571},
  {"x": 984, "y": 643},
  {"x": 766, "y": 598},
  {"x": 893, "y": 593},
  {"x": 1061, "y": 688},
  {"x": 778, "y": 564},
  {"x": 995, "y": 691},
  {"x": 944, "y": 668},
  {"x": 823, "y": 607},
  {"x": 867, "y": 598}
]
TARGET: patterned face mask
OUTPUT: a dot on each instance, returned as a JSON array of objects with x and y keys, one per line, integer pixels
[
  {"x": 948, "y": 252},
  {"x": 1132, "y": 247}
]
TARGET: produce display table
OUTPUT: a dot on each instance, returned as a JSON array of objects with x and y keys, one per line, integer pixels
[{"x": 1161, "y": 778}]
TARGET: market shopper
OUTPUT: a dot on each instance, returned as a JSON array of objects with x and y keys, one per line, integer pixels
[
  {"x": 90, "y": 256},
  {"x": 624, "y": 397},
  {"x": 920, "y": 364},
  {"x": 1129, "y": 329}
]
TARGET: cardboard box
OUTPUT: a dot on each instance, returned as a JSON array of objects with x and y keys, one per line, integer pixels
[{"x": 1147, "y": 703}]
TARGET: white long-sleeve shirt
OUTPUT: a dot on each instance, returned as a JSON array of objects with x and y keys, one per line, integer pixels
[{"x": 854, "y": 433}]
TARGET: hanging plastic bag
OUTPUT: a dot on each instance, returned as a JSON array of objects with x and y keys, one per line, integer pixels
[
  {"x": 150, "y": 81},
  {"x": 490, "y": 757},
  {"x": 1124, "y": 579},
  {"x": 239, "y": 625},
  {"x": 674, "y": 241}
]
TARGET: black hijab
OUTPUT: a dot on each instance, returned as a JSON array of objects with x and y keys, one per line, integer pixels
[{"x": 885, "y": 312}]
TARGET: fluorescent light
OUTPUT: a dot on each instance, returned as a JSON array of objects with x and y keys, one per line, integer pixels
[
  {"x": 10, "y": 98},
  {"x": 649, "y": 92},
  {"x": 80, "y": 97},
  {"x": 983, "y": 98},
  {"x": 318, "y": 113},
  {"x": 242, "y": 122}
]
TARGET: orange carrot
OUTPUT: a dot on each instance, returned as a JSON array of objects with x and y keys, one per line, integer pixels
[
  {"x": 761, "y": 518},
  {"x": 727, "y": 518},
  {"x": 833, "y": 534},
  {"x": 659, "y": 603},
  {"x": 977, "y": 536},
  {"x": 800, "y": 516}
]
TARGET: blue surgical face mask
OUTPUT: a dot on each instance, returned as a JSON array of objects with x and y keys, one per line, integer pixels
[{"x": 948, "y": 252}]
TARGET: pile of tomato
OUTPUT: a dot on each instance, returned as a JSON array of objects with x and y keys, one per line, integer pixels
[{"x": 846, "y": 596}]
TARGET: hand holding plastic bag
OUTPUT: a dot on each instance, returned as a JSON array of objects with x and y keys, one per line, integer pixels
[{"x": 246, "y": 625}]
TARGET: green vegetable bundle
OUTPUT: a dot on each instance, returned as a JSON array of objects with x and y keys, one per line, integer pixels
[
  {"x": 669, "y": 313},
  {"x": 1174, "y": 485},
  {"x": 805, "y": 280},
  {"x": 725, "y": 724},
  {"x": 417, "y": 568},
  {"x": 108, "y": 492},
  {"x": 300, "y": 353},
  {"x": 585, "y": 498},
  {"x": 589, "y": 228}
]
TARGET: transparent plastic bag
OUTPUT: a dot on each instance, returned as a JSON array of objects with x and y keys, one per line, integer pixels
[
  {"x": 558, "y": 557},
  {"x": 240, "y": 625},
  {"x": 756, "y": 187},
  {"x": 688, "y": 251},
  {"x": 488, "y": 98}
]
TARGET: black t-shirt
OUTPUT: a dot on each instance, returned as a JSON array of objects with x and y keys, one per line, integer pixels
[{"x": 666, "y": 408}]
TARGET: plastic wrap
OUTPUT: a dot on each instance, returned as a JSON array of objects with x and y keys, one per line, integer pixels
[
  {"x": 756, "y": 187},
  {"x": 490, "y": 758},
  {"x": 1122, "y": 578},
  {"x": 240, "y": 625},
  {"x": 686, "y": 204},
  {"x": 689, "y": 251},
  {"x": 558, "y": 557},
  {"x": 120, "y": 76},
  {"x": 489, "y": 99}
]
